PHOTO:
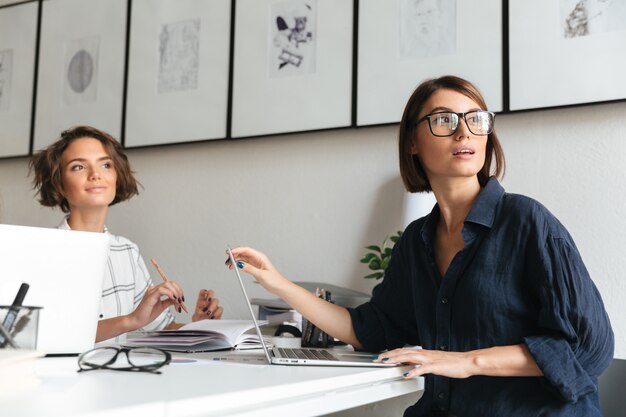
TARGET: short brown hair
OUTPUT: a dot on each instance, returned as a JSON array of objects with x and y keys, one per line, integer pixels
[
  {"x": 46, "y": 165},
  {"x": 411, "y": 170}
]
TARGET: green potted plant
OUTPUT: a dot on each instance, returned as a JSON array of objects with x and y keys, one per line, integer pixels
[{"x": 378, "y": 258}]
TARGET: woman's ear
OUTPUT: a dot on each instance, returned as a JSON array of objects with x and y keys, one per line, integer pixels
[{"x": 413, "y": 148}]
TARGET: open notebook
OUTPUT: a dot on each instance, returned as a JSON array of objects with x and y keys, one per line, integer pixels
[{"x": 200, "y": 336}]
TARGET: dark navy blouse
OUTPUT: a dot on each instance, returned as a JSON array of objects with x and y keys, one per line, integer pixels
[{"x": 519, "y": 279}]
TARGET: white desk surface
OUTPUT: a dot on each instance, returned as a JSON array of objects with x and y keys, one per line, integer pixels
[{"x": 205, "y": 387}]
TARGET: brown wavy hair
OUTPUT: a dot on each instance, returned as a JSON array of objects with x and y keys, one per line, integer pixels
[
  {"x": 46, "y": 165},
  {"x": 411, "y": 170}
]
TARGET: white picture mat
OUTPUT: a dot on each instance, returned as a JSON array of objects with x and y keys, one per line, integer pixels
[
  {"x": 385, "y": 82},
  {"x": 64, "y": 21},
  {"x": 548, "y": 70},
  {"x": 18, "y": 34},
  {"x": 153, "y": 118},
  {"x": 264, "y": 105}
]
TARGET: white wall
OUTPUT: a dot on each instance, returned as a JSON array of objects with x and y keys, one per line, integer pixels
[{"x": 313, "y": 201}]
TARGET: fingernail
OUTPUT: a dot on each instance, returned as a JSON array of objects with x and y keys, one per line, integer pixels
[
  {"x": 183, "y": 298},
  {"x": 180, "y": 310},
  {"x": 240, "y": 265},
  {"x": 374, "y": 357},
  {"x": 209, "y": 299},
  {"x": 208, "y": 313},
  {"x": 205, "y": 309},
  {"x": 227, "y": 261},
  {"x": 385, "y": 359},
  {"x": 178, "y": 298},
  {"x": 405, "y": 374}
]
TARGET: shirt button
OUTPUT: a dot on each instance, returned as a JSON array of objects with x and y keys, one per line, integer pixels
[
  {"x": 441, "y": 395},
  {"x": 101, "y": 315},
  {"x": 442, "y": 408},
  {"x": 444, "y": 300},
  {"x": 443, "y": 347}
]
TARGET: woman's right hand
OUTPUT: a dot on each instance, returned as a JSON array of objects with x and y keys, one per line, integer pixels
[
  {"x": 153, "y": 304},
  {"x": 259, "y": 266}
]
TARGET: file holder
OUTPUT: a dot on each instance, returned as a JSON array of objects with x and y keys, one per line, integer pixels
[
  {"x": 312, "y": 336},
  {"x": 24, "y": 327},
  {"x": 8, "y": 340}
]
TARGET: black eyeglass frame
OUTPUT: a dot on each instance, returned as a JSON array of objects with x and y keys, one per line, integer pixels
[
  {"x": 462, "y": 116},
  {"x": 153, "y": 368}
]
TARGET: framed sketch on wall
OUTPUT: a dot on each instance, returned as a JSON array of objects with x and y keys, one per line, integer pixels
[
  {"x": 18, "y": 38},
  {"x": 81, "y": 67},
  {"x": 403, "y": 42},
  {"x": 178, "y": 71},
  {"x": 575, "y": 53},
  {"x": 292, "y": 66}
]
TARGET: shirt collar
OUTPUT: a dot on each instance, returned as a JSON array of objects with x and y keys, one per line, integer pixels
[
  {"x": 66, "y": 226},
  {"x": 483, "y": 211}
]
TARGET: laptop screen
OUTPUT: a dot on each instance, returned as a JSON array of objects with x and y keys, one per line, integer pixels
[
  {"x": 64, "y": 270},
  {"x": 245, "y": 296}
]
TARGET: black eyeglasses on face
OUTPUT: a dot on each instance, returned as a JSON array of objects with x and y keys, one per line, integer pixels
[
  {"x": 445, "y": 123},
  {"x": 138, "y": 359}
]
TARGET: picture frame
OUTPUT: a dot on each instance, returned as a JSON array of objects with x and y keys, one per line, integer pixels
[
  {"x": 292, "y": 66},
  {"x": 178, "y": 71},
  {"x": 12, "y": 2},
  {"x": 18, "y": 43},
  {"x": 571, "y": 55},
  {"x": 403, "y": 42},
  {"x": 81, "y": 67}
]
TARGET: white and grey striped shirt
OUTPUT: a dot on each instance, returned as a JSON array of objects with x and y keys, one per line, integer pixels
[{"x": 126, "y": 279}]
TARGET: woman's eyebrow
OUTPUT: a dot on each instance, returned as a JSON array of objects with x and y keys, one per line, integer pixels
[
  {"x": 443, "y": 108},
  {"x": 102, "y": 158}
]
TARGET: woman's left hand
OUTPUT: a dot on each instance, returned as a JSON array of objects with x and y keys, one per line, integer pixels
[
  {"x": 207, "y": 306},
  {"x": 449, "y": 364}
]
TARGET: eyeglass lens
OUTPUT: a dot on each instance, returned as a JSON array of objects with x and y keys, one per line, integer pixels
[{"x": 446, "y": 123}]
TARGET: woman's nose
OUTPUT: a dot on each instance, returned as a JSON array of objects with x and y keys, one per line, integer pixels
[{"x": 94, "y": 174}]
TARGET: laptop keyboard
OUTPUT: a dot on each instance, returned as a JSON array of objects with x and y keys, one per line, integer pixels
[{"x": 306, "y": 354}]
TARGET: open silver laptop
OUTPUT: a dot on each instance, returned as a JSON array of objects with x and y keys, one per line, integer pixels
[
  {"x": 305, "y": 356},
  {"x": 64, "y": 270}
]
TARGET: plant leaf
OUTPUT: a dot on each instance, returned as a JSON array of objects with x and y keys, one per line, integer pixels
[
  {"x": 367, "y": 258},
  {"x": 376, "y": 275},
  {"x": 388, "y": 252},
  {"x": 385, "y": 263},
  {"x": 374, "y": 264},
  {"x": 374, "y": 248}
]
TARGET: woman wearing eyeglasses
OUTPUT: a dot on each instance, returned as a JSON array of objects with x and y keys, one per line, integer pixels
[
  {"x": 83, "y": 173},
  {"x": 489, "y": 284}
]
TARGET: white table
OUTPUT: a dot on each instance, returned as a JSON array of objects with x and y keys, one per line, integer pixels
[{"x": 204, "y": 387}]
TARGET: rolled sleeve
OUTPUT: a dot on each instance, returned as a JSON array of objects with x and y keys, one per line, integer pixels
[
  {"x": 560, "y": 367},
  {"x": 578, "y": 341}
]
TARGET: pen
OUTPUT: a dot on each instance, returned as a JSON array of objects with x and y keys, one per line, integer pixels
[
  {"x": 165, "y": 279},
  {"x": 9, "y": 319}
]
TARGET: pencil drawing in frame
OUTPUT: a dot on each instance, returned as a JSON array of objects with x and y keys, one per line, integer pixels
[
  {"x": 403, "y": 42},
  {"x": 574, "y": 54},
  {"x": 81, "y": 67},
  {"x": 18, "y": 38},
  {"x": 292, "y": 66},
  {"x": 178, "y": 71}
]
